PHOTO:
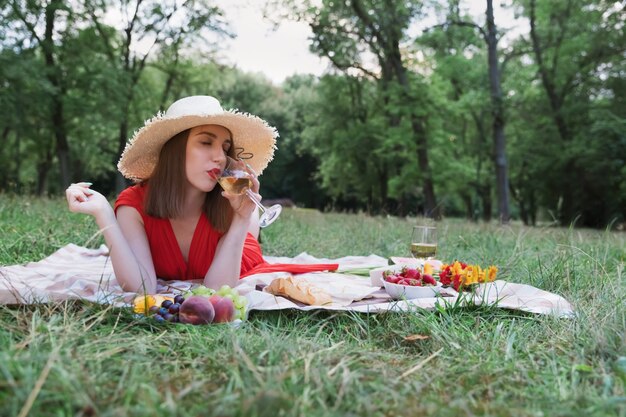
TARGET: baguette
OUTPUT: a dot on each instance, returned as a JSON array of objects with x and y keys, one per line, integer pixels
[{"x": 299, "y": 290}]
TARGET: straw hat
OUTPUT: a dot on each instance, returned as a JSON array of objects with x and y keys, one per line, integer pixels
[{"x": 254, "y": 139}]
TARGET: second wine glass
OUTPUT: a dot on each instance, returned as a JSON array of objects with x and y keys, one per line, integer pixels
[
  {"x": 424, "y": 242},
  {"x": 235, "y": 179}
]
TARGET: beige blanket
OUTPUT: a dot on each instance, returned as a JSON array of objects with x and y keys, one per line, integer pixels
[{"x": 81, "y": 273}]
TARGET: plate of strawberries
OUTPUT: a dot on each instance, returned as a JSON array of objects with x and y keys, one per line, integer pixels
[{"x": 410, "y": 282}]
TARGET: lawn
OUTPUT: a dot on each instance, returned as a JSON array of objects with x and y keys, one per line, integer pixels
[{"x": 81, "y": 359}]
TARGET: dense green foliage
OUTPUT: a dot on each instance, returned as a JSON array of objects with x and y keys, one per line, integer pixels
[
  {"x": 98, "y": 360},
  {"x": 402, "y": 123}
]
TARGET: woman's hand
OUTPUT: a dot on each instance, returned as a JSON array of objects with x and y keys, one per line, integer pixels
[{"x": 82, "y": 199}]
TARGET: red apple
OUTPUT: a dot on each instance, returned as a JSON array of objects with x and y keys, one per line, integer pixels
[
  {"x": 196, "y": 309},
  {"x": 224, "y": 309}
]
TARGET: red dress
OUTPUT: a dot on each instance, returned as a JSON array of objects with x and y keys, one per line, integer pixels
[{"x": 168, "y": 260}]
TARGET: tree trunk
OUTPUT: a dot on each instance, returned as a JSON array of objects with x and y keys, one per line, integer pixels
[
  {"x": 478, "y": 184},
  {"x": 567, "y": 211},
  {"x": 532, "y": 208},
  {"x": 485, "y": 196},
  {"x": 62, "y": 145},
  {"x": 120, "y": 182},
  {"x": 499, "y": 142},
  {"x": 390, "y": 60},
  {"x": 515, "y": 193},
  {"x": 431, "y": 209},
  {"x": 7, "y": 177},
  {"x": 469, "y": 207},
  {"x": 43, "y": 167},
  {"x": 56, "y": 111}
]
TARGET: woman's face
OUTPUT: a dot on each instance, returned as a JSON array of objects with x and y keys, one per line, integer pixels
[{"x": 207, "y": 147}]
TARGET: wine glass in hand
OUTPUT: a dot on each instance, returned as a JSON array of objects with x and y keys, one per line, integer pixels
[
  {"x": 236, "y": 179},
  {"x": 424, "y": 242}
]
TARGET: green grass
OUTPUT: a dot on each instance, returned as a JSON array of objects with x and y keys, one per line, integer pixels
[{"x": 81, "y": 359}]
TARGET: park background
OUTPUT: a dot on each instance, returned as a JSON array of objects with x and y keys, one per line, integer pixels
[{"x": 423, "y": 108}]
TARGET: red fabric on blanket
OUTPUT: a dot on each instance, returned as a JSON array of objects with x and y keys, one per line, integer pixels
[
  {"x": 291, "y": 268},
  {"x": 168, "y": 260}
]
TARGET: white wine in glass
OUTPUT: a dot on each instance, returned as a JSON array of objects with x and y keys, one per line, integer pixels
[
  {"x": 424, "y": 242},
  {"x": 235, "y": 185},
  {"x": 236, "y": 180}
]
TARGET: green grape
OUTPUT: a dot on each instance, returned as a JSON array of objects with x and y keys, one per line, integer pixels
[
  {"x": 224, "y": 289},
  {"x": 202, "y": 290},
  {"x": 240, "y": 302}
]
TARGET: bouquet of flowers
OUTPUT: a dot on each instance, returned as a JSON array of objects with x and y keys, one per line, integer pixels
[{"x": 462, "y": 276}]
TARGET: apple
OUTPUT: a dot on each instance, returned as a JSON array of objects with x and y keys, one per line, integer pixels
[{"x": 196, "y": 309}]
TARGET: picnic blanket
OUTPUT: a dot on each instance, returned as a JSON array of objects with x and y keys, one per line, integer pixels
[{"x": 75, "y": 272}]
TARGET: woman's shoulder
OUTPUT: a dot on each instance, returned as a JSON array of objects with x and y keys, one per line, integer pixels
[{"x": 133, "y": 196}]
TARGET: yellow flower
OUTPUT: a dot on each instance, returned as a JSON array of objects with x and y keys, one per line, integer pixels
[
  {"x": 471, "y": 274},
  {"x": 457, "y": 269},
  {"x": 491, "y": 273},
  {"x": 481, "y": 276}
]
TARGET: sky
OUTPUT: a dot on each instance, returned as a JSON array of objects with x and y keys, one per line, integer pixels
[
  {"x": 259, "y": 48},
  {"x": 279, "y": 53}
]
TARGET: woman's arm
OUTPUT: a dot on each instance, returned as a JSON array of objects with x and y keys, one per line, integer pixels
[
  {"x": 226, "y": 266},
  {"x": 125, "y": 237}
]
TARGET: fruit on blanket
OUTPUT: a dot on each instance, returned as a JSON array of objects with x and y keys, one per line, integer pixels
[
  {"x": 142, "y": 303},
  {"x": 196, "y": 309},
  {"x": 409, "y": 276},
  {"x": 224, "y": 290},
  {"x": 202, "y": 290},
  {"x": 199, "y": 308},
  {"x": 224, "y": 309},
  {"x": 240, "y": 302}
]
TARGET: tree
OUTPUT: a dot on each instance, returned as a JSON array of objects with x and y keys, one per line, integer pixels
[
  {"x": 490, "y": 36},
  {"x": 460, "y": 87},
  {"x": 46, "y": 25},
  {"x": 347, "y": 33},
  {"x": 578, "y": 56},
  {"x": 157, "y": 24}
]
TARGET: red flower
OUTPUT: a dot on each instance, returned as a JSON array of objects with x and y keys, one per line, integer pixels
[
  {"x": 445, "y": 276},
  {"x": 457, "y": 282}
]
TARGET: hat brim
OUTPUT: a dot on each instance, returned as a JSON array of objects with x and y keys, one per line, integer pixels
[{"x": 254, "y": 141}]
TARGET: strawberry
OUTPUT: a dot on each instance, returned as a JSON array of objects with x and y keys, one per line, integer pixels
[
  {"x": 393, "y": 279},
  {"x": 415, "y": 282},
  {"x": 411, "y": 273},
  {"x": 404, "y": 281},
  {"x": 427, "y": 279}
]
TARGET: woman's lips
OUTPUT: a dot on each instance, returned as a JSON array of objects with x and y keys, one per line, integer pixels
[{"x": 214, "y": 173}]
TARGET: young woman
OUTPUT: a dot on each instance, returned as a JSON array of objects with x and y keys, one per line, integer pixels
[{"x": 177, "y": 222}]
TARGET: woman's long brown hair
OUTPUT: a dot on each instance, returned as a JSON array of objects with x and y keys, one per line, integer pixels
[{"x": 166, "y": 191}]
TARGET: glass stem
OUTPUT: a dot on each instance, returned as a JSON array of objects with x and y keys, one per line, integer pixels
[{"x": 254, "y": 200}]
